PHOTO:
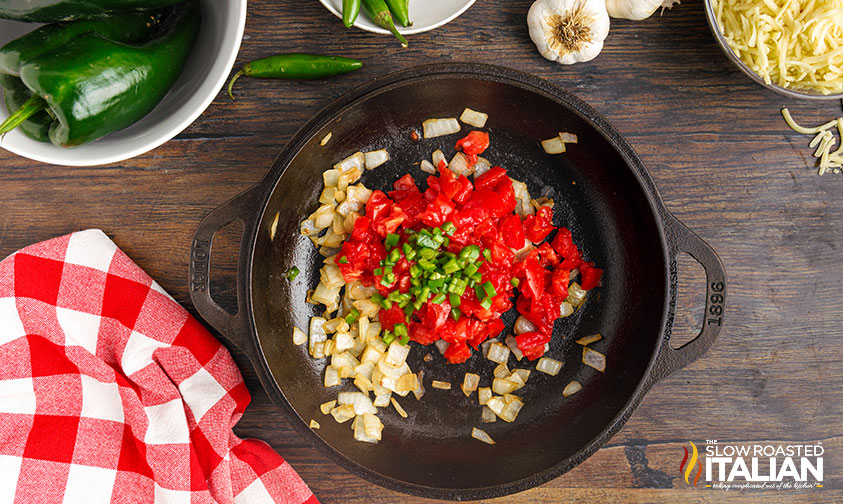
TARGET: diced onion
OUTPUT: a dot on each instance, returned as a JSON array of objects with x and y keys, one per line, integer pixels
[
  {"x": 483, "y": 395},
  {"x": 397, "y": 353},
  {"x": 481, "y": 166},
  {"x": 373, "y": 159},
  {"x": 549, "y": 366},
  {"x": 481, "y": 436},
  {"x": 474, "y": 118},
  {"x": 497, "y": 353},
  {"x": 522, "y": 325},
  {"x": 576, "y": 295},
  {"x": 407, "y": 383},
  {"x": 382, "y": 401},
  {"x": 327, "y": 407},
  {"x": 299, "y": 337},
  {"x": 594, "y": 359},
  {"x": 317, "y": 333},
  {"x": 343, "y": 413},
  {"x": 273, "y": 227},
  {"x": 330, "y": 178},
  {"x": 427, "y": 167},
  {"x": 470, "y": 382},
  {"x": 553, "y": 145},
  {"x": 503, "y": 386},
  {"x": 419, "y": 392},
  {"x": 326, "y": 139},
  {"x": 438, "y": 127},
  {"x": 437, "y": 158},
  {"x": 459, "y": 164},
  {"x": 524, "y": 374},
  {"x": 496, "y": 404},
  {"x": 565, "y": 309},
  {"x": 360, "y": 401},
  {"x": 442, "y": 385},
  {"x": 352, "y": 166},
  {"x": 441, "y": 345},
  {"x": 511, "y": 410},
  {"x": 331, "y": 276},
  {"x": 587, "y": 340},
  {"x": 364, "y": 384},
  {"x": 314, "y": 424},
  {"x": 332, "y": 377},
  {"x": 398, "y": 408},
  {"x": 501, "y": 371},
  {"x": 567, "y": 137},
  {"x": 513, "y": 346},
  {"x": 572, "y": 388},
  {"x": 488, "y": 416},
  {"x": 328, "y": 296}
]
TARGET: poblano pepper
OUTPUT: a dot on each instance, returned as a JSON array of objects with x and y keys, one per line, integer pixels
[
  {"x": 49, "y": 11},
  {"x": 97, "y": 77}
]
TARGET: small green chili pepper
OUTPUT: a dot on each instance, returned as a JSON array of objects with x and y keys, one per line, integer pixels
[
  {"x": 400, "y": 10},
  {"x": 379, "y": 12},
  {"x": 350, "y": 11},
  {"x": 296, "y": 66}
]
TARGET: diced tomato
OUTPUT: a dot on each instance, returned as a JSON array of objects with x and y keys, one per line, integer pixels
[
  {"x": 405, "y": 183},
  {"x": 490, "y": 180},
  {"x": 532, "y": 344},
  {"x": 422, "y": 334},
  {"x": 437, "y": 314},
  {"x": 590, "y": 275},
  {"x": 464, "y": 191},
  {"x": 438, "y": 211},
  {"x": 457, "y": 352},
  {"x": 474, "y": 143},
  {"x": 563, "y": 243},
  {"x": 392, "y": 316},
  {"x": 513, "y": 232},
  {"x": 533, "y": 284},
  {"x": 560, "y": 283},
  {"x": 538, "y": 226}
]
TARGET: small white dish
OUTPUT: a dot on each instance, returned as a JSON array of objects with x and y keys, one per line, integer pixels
[
  {"x": 425, "y": 15},
  {"x": 205, "y": 74}
]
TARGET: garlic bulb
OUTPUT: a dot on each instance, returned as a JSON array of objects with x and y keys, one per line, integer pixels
[
  {"x": 636, "y": 9},
  {"x": 568, "y": 31}
]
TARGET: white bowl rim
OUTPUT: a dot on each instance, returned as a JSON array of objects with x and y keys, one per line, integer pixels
[
  {"x": 409, "y": 30},
  {"x": 164, "y": 136}
]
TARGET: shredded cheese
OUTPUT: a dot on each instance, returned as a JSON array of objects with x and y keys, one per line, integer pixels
[
  {"x": 823, "y": 142},
  {"x": 795, "y": 44}
]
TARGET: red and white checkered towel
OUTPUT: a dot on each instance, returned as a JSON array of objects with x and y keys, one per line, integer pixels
[{"x": 111, "y": 392}]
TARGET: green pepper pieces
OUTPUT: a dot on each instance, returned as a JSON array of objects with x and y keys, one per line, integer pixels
[
  {"x": 94, "y": 85},
  {"x": 48, "y": 11}
]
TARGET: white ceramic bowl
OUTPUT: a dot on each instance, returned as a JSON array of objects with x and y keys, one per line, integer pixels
[
  {"x": 425, "y": 15},
  {"x": 205, "y": 74}
]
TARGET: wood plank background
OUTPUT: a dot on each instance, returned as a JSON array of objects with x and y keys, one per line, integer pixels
[{"x": 722, "y": 157}]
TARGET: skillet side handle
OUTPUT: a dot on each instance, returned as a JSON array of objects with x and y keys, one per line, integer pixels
[
  {"x": 682, "y": 239},
  {"x": 234, "y": 328}
]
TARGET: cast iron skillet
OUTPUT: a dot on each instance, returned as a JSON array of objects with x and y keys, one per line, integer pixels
[{"x": 602, "y": 192}]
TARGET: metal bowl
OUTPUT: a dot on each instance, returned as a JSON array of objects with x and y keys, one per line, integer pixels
[{"x": 727, "y": 50}]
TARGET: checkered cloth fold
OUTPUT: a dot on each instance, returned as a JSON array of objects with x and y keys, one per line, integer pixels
[{"x": 111, "y": 392}]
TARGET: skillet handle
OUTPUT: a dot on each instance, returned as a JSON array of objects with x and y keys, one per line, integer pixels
[
  {"x": 234, "y": 328},
  {"x": 682, "y": 239}
]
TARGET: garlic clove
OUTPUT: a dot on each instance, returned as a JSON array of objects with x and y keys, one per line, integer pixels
[{"x": 568, "y": 31}]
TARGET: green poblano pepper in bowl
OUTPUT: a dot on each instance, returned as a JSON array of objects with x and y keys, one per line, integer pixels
[{"x": 93, "y": 77}]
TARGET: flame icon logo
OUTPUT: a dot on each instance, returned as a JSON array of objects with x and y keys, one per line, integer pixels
[{"x": 691, "y": 463}]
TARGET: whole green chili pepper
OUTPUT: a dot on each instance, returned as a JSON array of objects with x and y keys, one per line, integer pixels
[
  {"x": 94, "y": 85},
  {"x": 296, "y": 66},
  {"x": 48, "y": 11},
  {"x": 379, "y": 12},
  {"x": 350, "y": 10},
  {"x": 400, "y": 10}
]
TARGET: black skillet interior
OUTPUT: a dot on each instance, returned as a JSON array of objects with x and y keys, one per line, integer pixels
[{"x": 597, "y": 195}]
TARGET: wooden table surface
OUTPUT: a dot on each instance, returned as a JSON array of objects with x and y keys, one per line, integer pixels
[{"x": 715, "y": 143}]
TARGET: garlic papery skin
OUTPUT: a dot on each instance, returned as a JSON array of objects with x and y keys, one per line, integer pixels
[
  {"x": 636, "y": 10},
  {"x": 568, "y": 31}
]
